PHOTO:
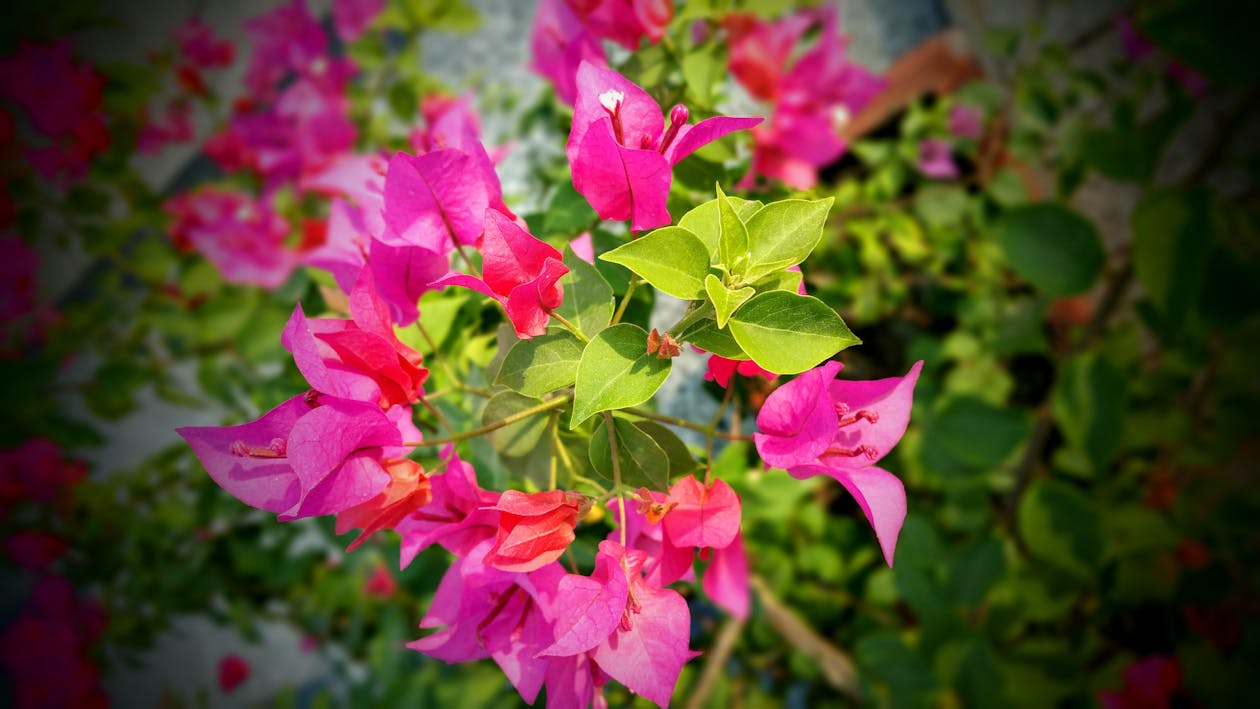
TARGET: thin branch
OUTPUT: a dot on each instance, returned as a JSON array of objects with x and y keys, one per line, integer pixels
[
  {"x": 713, "y": 662},
  {"x": 494, "y": 426},
  {"x": 836, "y": 665}
]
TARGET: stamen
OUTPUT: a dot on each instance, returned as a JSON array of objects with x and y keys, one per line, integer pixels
[
  {"x": 868, "y": 451},
  {"x": 859, "y": 415},
  {"x": 611, "y": 100},
  {"x": 276, "y": 449},
  {"x": 678, "y": 116}
]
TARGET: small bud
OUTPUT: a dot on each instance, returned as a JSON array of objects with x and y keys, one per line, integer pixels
[{"x": 679, "y": 114}]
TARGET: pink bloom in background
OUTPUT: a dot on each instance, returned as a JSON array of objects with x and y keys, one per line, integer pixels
[
  {"x": 936, "y": 159},
  {"x": 519, "y": 271},
  {"x": 241, "y": 235},
  {"x": 286, "y": 39},
  {"x": 625, "y": 21},
  {"x": 966, "y": 121},
  {"x": 622, "y": 154},
  {"x": 175, "y": 126},
  {"x": 45, "y": 649},
  {"x": 18, "y": 265},
  {"x": 62, "y": 97},
  {"x": 817, "y": 424},
  {"x": 1137, "y": 46},
  {"x": 352, "y": 17},
  {"x": 559, "y": 43},
  {"x": 1149, "y": 683},
  {"x": 36, "y": 471},
  {"x": 452, "y": 124},
  {"x": 34, "y": 550},
  {"x": 381, "y": 583},
  {"x": 199, "y": 46},
  {"x": 813, "y": 96},
  {"x": 233, "y": 671}
]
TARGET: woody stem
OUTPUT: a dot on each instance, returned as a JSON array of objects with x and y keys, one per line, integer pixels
[
  {"x": 496, "y": 425},
  {"x": 684, "y": 423},
  {"x": 568, "y": 325}
]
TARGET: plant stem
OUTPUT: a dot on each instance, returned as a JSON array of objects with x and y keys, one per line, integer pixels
[
  {"x": 625, "y": 300},
  {"x": 505, "y": 421},
  {"x": 616, "y": 466},
  {"x": 568, "y": 325},
  {"x": 433, "y": 349},
  {"x": 683, "y": 423},
  {"x": 555, "y": 446},
  {"x": 441, "y": 419},
  {"x": 694, "y": 313},
  {"x": 715, "y": 662}
]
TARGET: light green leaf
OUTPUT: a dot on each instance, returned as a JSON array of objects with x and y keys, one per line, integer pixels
[
  {"x": 725, "y": 300},
  {"x": 782, "y": 234},
  {"x": 671, "y": 258},
  {"x": 616, "y": 371},
  {"x": 1052, "y": 247},
  {"x": 706, "y": 335},
  {"x": 643, "y": 462},
  {"x": 732, "y": 237},
  {"x": 779, "y": 280},
  {"x": 588, "y": 299},
  {"x": 517, "y": 439},
  {"x": 1061, "y": 526},
  {"x": 541, "y": 365},
  {"x": 789, "y": 333},
  {"x": 703, "y": 221}
]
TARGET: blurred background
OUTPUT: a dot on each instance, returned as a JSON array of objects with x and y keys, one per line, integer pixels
[{"x": 1053, "y": 204}]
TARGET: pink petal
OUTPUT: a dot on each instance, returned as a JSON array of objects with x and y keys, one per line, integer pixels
[
  {"x": 640, "y": 113},
  {"x": 798, "y": 421},
  {"x": 340, "y": 434},
  {"x": 592, "y": 607},
  {"x": 891, "y": 398},
  {"x": 510, "y": 255},
  {"x": 878, "y": 492},
  {"x": 703, "y": 517},
  {"x": 266, "y": 483},
  {"x": 622, "y": 183},
  {"x": 403, "y": 274},
  {"x": 435, "y": 200},
  {"x": 345, "y": 248},
  {"x": 692, "y": 138},
  {"x": 649, "y": 656},
  {"x": 726, "y": 578}
]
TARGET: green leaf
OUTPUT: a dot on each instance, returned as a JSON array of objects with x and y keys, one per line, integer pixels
[
  {"x": 681, "y": 461},
  {"x": 789, "y": 333},
  {"x": 732, "y": 237},
  {"x": 725, "y": 300},
  {"x": 1061, "y": 526},
  {"x": 702, "y": 68},
  {"x": 671, "y": 258},
  {"x": 706, "y": 335},
  {"x": 643, "y": 462},
  {"x": 541, "y": 365},
  {"x": 976, "y": 433},
  {"x": 1171, "y": 247},
  {"x": 567, "y": 212},
  {"x": 783, "y": 234},
  {"x": 1089, "y": 404},
  {"x": 616, "y": 371},
  {"x": 779, "y": 280},
  {"x": 517, "y": 439},
  {"x": 703, "y": 221},
  {"x": 1052, "y": 247},
  {"x": 974, "y": 570},
  {"x": 588, "y": 299}
]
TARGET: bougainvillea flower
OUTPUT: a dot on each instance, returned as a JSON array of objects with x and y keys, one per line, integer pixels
[
  {"x": 936, "y": 159},
  {"x": 233, "y": 671},
  {"x": 45, "y": 650},
  {"x": 286, "y": 39},
  {"x": 460, "y": 514},
  {"x": 720, "y": 369},
  {"x": 726, "y": 578},
  {"x": 487, "y": 612},
  {"x": 534, "y": 529},
  {"x": 965, "y": 121},
  {"x": 35, "y": 471},
  {"x": 241, "y": 235},
  {"x": 1137, "y": 46},
  {"x": 360, "y": 359},
  {"x": 625, "y": 21},
  {"x": 306, "y": 128},
  {"x": 519, "y": 271},
  {"x": 408, "y": 490},
  {"x": 1148, "y": 683},
  {"x": 381, "y": 583},
  {"x": 18, "y": 265},
  {"x": 559, "y": 43},
  {"x": 817, "y": 424},
  {"x": 664, "y": 563},
  {"x": 352, "y": 17},
  {"x": 649, "y": 646},
  {"x": 621, "y": 152},
  {"x": 199, "y": 46},
  {"x": 702, "y": 516},
  {"x": 437, "y": 200},
  {"x": 451, "y": 124},
  {"x": 35, "y": 550},
  {"x": 311, "y": 455},
  {"x": 591, "y": 607}
]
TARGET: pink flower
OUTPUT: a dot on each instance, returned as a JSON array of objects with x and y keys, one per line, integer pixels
[
  {"x": 817, "y": 424},
  {"x": 381, "y": 583},
  {"x": 34, "y": 550},
  {"x": 286, "y": 39},
  {"x": 35, "y": 471},
  {"x": 519, "y": 271},
  {"x": 437, "y": 200},
  {"x": 621, "y": 152},
  {"x": 311, "y": 455},
  {"x": 18, "y": 288},
  {"x": 1149, "y": 683},
  {"x": 352, "y": 17},
  {"x": 242, "y": 236},
  {"x": 199, "y": 46},
  {"x": 1137, "y": 46},
  {"x": 720, "y": 370},
  {"x": 451, "y": 124},
  {"x": 175, "y": 127},
  {"x": 45, "y": 651},
  {"x": 534, "y": 529},
  {"x": 625, "y": 21},
  {"x": 407, "y": 491},
  {"x": 487, "y": 612},
  {"x": 233, "y": 671},
  {"x": 559, "y": 43},
  {"x": 360, "y": 359},
  {"x": 936, "y": 160},
  {"x": 460, "y": 514},
  {"x": 966, "y": 121}
]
